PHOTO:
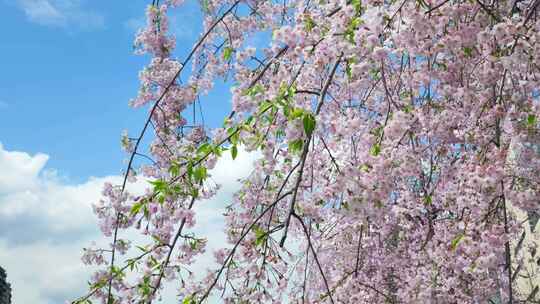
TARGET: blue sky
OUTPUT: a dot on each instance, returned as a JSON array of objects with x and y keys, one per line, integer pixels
[{"x": 67, "y": 74}]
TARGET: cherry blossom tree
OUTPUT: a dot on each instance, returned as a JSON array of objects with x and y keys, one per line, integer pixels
[{"x": 396, "y": 139}]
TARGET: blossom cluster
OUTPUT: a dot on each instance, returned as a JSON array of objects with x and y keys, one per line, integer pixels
[{"x": 397, "y": 138}]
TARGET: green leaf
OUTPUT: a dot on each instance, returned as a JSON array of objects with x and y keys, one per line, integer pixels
[
  {"x": 467, "y": 51},
  {"x": 286, "y": 110},
  {"x": 131, "y": 263},
  {"x": 355, "y": 22},
  {"x": 357, "y": 4},
  {"x": 375, "y": 74},
  {"x": 408, "y": 109},
  {"x": 296, "y": 145},
  {"x": 376, "y": 131},
  {"x": 283, "y": 90},
  {"x": 218, "y": 150},
  {"x": 310, "y": 24},
  {"x": 246, "y": 127},
  {"x": 144, "y": 287},
  {"x": 174, "y": 169},
  {"x": 231, "y": 130},
  {"x": 455, "y": 241},
  {"x": 234, "y": 138},
  {"x": 136, "y": 207},
  {"x": 159, "y": 185},
  {"x": 141, "y": 248},
  {"x": 153, "y": 260},
  {"x": 205, "y": 7},
  {"x": 260, "y": 235},
  {"x": 117, "y": 272},
  {"x": 227, "y": 52},
  {"x": 189, "y": 169},
  {"x": 234, "y": 152},
  {"x": 375, "y": 149},
  {"x": 256, "y": 89},
  {"x": 296, "y": 113},
  {"x": 531, "y": 120},
  {"x": 309, "y": 123},
  {"x": 264, "y": 106},
  {"x": 99, "y": 284},
  {"x": 351, "y": 28},
  {"x": 365, "y": 168},
  {"x": 348, "y": 67},
  {"x": 428, "y": 200},
  {"x": 291, "y": 92},
  {"x": 195, "y": 192},
  {"x": 204, "y": 149},
  {"x": 200, "y": 174},
  {"x": 280, "y": 133},
  {"x": 188, "y": 300}
]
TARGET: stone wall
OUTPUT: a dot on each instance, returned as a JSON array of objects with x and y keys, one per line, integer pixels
[{"x": 526, "y": 258}]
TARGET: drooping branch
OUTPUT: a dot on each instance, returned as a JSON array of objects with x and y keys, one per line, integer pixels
[
  {"x": 143, "y": 131},
  {"x": 306, "y": 149},
  {"x": 238, "y": 242}
]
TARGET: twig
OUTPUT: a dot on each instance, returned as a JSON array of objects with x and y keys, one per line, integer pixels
[
  {"x": 166, "y": 263},
  {"x": 507, "y": 249},
  {"x": 436, "y": 7},
  {"x": 358, "y": 251},
  {"x": 226, "y": 261},
  {"x": 315, "y": 256},
  {"x": 306, "y": 150}
]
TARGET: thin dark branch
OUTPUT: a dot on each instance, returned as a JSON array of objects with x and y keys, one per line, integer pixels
[
  {"x": 244, "y": 234},
  {"x": 507, "y": 249},
  {"x": 167, "y": 259},
  {"x": 331, "y": 156},
  {"x": 315, "y": 256},
  {"x": 436, "y": 7},
  {"x": 531, "y": 12},
  {"x": 306, "y": 150},
  {"x": 306, "y": 269},
  {"x": 488, "y": 11},
  {"x": 358, "y": 251}
]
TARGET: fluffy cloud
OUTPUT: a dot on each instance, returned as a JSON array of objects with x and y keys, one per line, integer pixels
[
  {"x": 46, "y": 222},
  {"x": 61, "y": 13}
]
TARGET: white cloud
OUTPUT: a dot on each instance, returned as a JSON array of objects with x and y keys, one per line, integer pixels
[
  {"x": 61, "y": 13},
  {"x": 44, "y": 272},
  {"x": 24, "y": 167},
  {"x": 46, "y": 222}
]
